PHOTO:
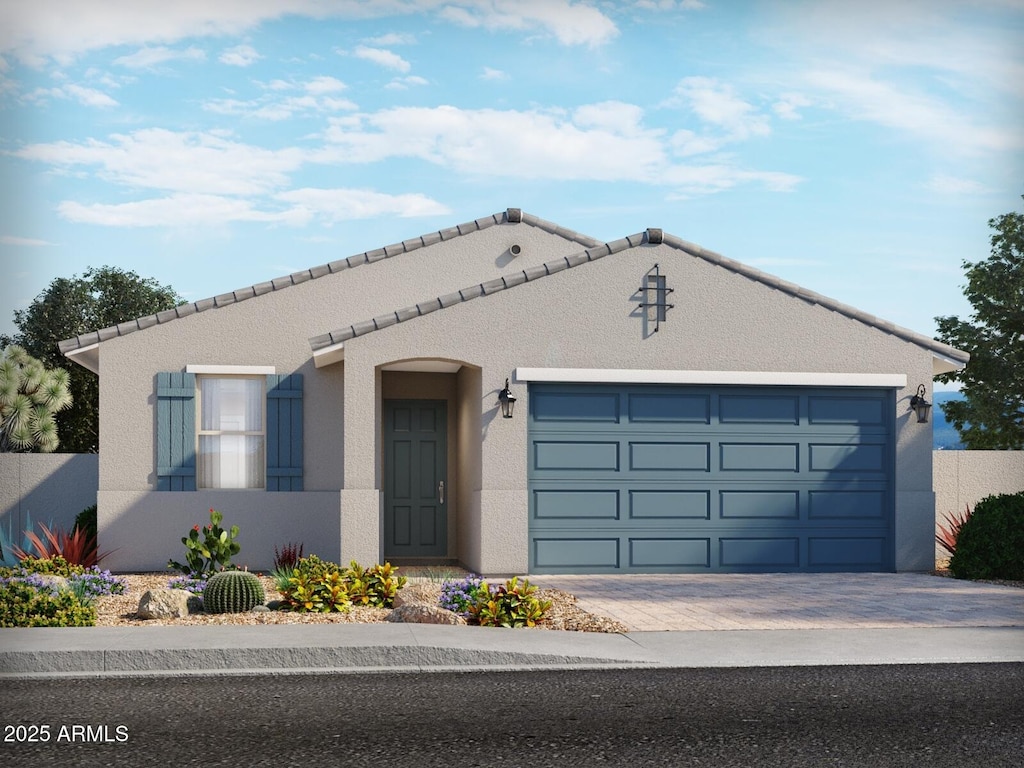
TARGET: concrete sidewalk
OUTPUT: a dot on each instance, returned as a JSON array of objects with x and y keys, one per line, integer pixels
[{"x": 279, "y": 649}]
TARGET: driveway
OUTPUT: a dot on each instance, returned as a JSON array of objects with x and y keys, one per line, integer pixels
[{"x": 792, "y": 601}]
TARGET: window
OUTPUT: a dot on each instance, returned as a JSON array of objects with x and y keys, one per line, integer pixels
[{"x": 232, "y": 432}]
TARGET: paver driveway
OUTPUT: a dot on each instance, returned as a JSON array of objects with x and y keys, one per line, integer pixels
[{"x": 792, "y": 601}]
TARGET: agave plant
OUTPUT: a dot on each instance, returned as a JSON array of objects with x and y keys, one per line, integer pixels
[
  {"x": 77, "y": 547},
  {"x": 30, "y": 394},
  {"x": 947, "y": 535}
]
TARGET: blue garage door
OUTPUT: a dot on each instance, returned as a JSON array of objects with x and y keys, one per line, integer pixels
[{"x": 655, "y": 479}]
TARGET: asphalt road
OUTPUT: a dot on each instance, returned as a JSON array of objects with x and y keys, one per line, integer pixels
[{"x": 877, "y": 716}]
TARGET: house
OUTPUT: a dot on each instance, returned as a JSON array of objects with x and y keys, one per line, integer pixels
[{"x": 674, "y": 411}]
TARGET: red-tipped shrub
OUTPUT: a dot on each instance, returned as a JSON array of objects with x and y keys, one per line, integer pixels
[
  {"x": 77, "y": 547},
  {"x": 947, "y": 536}
]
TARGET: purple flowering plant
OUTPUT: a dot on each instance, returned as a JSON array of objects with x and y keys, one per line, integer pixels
[
  {"x": 192, "y": 584},
  {"x": 458, "y": 596}
]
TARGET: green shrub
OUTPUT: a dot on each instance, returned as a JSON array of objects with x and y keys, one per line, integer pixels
[
  {"x": 232, "y": 592},
  {"x": 85, "y": 521},
  {"x": 209, "y": 553},
  {"x": 22, "y": 605},
  {"x": 50, "y": 566},
  {"x": 990, "y": 544},
  {"x": 376, "y": 585},
  {"x": 515, "y": 604},
  {"x": 319, "y": 592},
  {"x": 320, "y": 585}
]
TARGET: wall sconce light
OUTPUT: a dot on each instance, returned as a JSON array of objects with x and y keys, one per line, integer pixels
[
  {"x": 920, "y": 405},
  {"x": 508, "y": 403}
]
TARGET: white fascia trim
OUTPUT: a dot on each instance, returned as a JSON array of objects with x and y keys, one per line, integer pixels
[
  {"x": 87, "y": 357},
  {"x": 943, "y": 364},
  {"x": 329, "y": 355},
  {"x": 751, "y": 378},
  {"x": 232, "y": 370}
]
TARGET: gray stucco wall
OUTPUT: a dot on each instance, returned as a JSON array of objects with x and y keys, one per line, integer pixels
[
  {"x": 966, "y": 477},
  {"x": 586, "y": 318},
  {"x": 45, "y": 488},
  {"x": 274, "y": 330}
]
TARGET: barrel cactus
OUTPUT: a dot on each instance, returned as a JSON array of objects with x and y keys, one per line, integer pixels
[{"x": 232, "y": 592}]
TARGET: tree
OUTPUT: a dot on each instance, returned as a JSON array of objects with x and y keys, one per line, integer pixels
[
  {"x": 991, "y": 415},
  {"x": 30, "y": 395},
  {"x": 70, "y": 307}
]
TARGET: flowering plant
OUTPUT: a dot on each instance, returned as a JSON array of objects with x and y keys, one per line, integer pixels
[
  {"x": 93, "y": 583},
  {"x": 458, "y": 596},
  {"x": 188, "y": 583},
  {"x": 210, "y": 552}
]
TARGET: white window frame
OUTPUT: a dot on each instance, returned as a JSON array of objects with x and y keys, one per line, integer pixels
[{"x": 252, "y": 373}]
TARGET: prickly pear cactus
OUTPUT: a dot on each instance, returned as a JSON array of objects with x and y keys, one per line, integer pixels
[{"x": 232, "y": 592}]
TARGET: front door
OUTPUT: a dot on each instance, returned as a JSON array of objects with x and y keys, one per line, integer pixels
[{"x": 415, "y": 479}]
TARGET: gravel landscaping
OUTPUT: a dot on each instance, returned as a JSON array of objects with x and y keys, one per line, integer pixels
[{"x": 120, "y": 610}]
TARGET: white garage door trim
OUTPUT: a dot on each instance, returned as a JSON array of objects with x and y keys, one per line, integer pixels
[{"x": 751, "y": 378}]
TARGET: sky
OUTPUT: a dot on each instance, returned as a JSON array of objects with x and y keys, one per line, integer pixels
[{"x": 857, "y": 149}]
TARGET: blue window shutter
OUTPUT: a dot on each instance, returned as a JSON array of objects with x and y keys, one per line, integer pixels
[
  {"x": 175, "y": 432},
  {"x": 284, "y": 432}
]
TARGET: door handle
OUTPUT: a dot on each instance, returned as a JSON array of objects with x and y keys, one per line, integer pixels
[{"x": 440, "y": 492}]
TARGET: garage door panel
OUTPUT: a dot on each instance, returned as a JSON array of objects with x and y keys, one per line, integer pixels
[
  {"x": 861, "y": 411},
  {"x": 576, "y": 553},
  {"x": 847, "y": 505},
  {"x": 667, "y": 505},
  {"x": 844, "y": 552},
  {"x": 691, "y": 479},
  {"x": 661, "y": 408},
  {"x": 589, "y": 407},
  {"x": 775, "y": 552},
  {"x": 760, "y": 505},
  {"x": 759, "y": 457},
  {"x": 576, "y": 456},
  {"x": 759, "y": 409},
  {"x": 576, "y": 505},
  {"x": 669, "y": 553},
  {"x": 850, "y": 457},
  {"x": 692, "y": 457}
]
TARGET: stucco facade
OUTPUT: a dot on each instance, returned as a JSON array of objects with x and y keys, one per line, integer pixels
[{"x": 457, "y": 313}]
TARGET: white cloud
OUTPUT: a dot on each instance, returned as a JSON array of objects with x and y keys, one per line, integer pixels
[
  {"x": 493, "y": 74},
  {"x": 148, "y": 58},
  {"x": 788, "y": 104},
  {"x": 275, "y": 106},
  {"x": 37, "y": 34},
  {"x": 951, "y": 185},
  {"x": 324, "y": 84},
  {"x": 26, "y": 242},
  {"x": 402, "y": 83},
  {"x": 88, "y": 97},
  {"x": 334, "y": 205},
  {"x": 864, "y": 97},
  {"x": 570, "y": 23},
  {"x": 382, "y": 57},
  {"x": 392, "y": 38},
  {"x": 717, "y": 104},
  {"x": 301, "y": 207},
  {"x": 188, "y": 162},
  {"x": 239, "y": 56},
  {"x": 180, "y": 210},
  {"x": 600, "y": 142}
]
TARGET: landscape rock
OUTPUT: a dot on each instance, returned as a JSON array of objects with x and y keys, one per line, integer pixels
[
  {"x": 168, "y": 604},
  {"x": 413, "y": 613},
  {"x": 417, "y": 594}
]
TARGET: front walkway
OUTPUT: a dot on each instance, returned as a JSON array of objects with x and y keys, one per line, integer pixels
[{"x": 792, "y": 601}]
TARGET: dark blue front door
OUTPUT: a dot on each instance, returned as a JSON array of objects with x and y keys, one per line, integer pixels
[
  {"x": 415, "y": 479},
  {"x": 651, "y": 479}
]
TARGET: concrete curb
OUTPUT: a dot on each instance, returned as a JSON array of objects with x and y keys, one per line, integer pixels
[{"x": 294, "y": 649}]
